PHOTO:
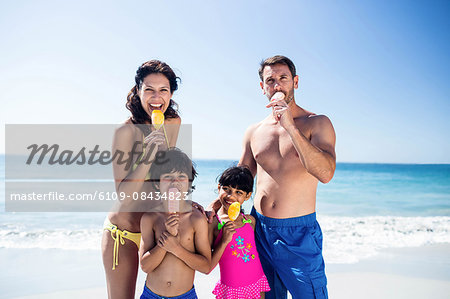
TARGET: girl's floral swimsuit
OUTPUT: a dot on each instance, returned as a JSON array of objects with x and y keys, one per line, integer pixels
[{"x": 241, "y": 274}]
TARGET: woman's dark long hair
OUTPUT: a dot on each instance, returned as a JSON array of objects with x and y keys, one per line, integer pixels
[{"x": 138, "y": 114}]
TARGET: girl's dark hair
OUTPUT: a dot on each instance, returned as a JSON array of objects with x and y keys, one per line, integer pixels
[
  {"x": 238, "y": 177},
  {"x": 169, "y": 161},
  {"x": 138, "y": 114}
]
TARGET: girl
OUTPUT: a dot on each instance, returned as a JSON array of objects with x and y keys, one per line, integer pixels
[{"x": 241, "y": 274}]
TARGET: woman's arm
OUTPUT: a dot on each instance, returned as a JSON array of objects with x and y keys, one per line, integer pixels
[{"x": 125, "y": 149}]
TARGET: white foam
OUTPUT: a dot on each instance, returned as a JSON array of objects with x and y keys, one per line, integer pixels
[
  {"x": 83, "y": 239},
  {"x": 350, "y": 239},
  {"x": 346, "y": 239}
]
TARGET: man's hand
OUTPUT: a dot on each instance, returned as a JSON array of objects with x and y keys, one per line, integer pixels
[
  {"x": 168, "y": 242},
  {"x": 172, "y": 223},
  {"x": 280, "y": 110}
]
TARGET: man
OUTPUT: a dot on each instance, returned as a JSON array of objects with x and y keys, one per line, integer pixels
[{"x": 290, "y": 151}]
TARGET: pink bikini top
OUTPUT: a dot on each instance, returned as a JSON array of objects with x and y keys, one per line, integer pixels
[{"x": 239, "y": 264}]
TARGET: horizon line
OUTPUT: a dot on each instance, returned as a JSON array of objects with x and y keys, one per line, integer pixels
[{"x": 340, "y": 162}]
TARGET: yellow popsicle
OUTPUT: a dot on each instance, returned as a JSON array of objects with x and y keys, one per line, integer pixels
[
  {"x": 234, "y": 210},
  {"x": 157, "y": 119}
]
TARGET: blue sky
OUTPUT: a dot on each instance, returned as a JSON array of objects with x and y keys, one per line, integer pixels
[{"x": 378, "y": 69}]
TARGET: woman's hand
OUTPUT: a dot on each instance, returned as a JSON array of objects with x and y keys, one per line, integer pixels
[{"x": 155, "y": 141}]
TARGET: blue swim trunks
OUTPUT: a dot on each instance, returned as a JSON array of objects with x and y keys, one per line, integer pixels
[
  {"x": 148, "y": 294},
  {"x": 290, "y": 251}
]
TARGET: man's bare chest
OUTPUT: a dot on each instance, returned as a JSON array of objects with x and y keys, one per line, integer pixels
[{"x": 270, "y": 143}]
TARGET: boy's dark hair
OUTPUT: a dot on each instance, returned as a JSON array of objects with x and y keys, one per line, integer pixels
[
  {"x": 169, "y": 161},
  {"x": 238, "y": 177},
  {"x": 277, "y": 59}
]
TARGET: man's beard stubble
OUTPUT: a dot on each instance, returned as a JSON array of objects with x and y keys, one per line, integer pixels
[{"x": 287, "y": 97}]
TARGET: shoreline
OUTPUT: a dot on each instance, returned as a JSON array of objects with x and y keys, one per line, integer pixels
[{"x": 410, "y": 272}]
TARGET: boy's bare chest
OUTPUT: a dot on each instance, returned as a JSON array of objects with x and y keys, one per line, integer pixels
[{"x": 185, "y": 232}]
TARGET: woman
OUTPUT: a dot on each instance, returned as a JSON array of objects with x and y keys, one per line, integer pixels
[{"x": 155, "y": 84}]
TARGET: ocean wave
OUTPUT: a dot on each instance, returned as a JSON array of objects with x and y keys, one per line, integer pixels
[
  {"x": 82, "y": 239},
  {"x": 346, "y": 239},
  {"x": 351, "y": 239}
]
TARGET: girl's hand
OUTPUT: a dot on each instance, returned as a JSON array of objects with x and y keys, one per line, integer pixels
[
  {"x": 168, "y": 242},
  {"x": 172, "y": 223},
  {"x": 228, "y": 232},
  {"x": 198, "y": 207},
  {"x": 208, "y": 214},
  {"x": 211, "y": 210}
]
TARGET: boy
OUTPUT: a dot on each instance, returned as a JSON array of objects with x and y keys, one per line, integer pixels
[{"x": 174, "y": 244}]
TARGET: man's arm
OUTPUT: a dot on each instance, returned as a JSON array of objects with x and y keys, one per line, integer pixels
[
  {"x": 247, "y": 158},
  {"x": 318, "y": 155},
  {"x": 150, "y": 254}
]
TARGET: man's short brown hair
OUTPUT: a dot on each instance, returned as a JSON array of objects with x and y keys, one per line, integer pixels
[{"x": 277, "y": 59}]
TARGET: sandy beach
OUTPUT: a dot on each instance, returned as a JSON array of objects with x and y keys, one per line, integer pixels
[{"x": 421, "y": 272}]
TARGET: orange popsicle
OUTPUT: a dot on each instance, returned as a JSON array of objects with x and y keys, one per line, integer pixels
[
  {"x": 234, "y": 210},
  {"x": 157, "y": 119}
]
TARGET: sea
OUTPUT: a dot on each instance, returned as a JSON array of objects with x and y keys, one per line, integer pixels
[{"x": 365, "y": 209}]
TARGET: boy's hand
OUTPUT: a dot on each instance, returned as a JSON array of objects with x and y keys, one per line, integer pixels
[
  {"x": 228, "y": 231},
  {"x": 168, "y": 242},
  {"x": 172, "y": 223}
]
